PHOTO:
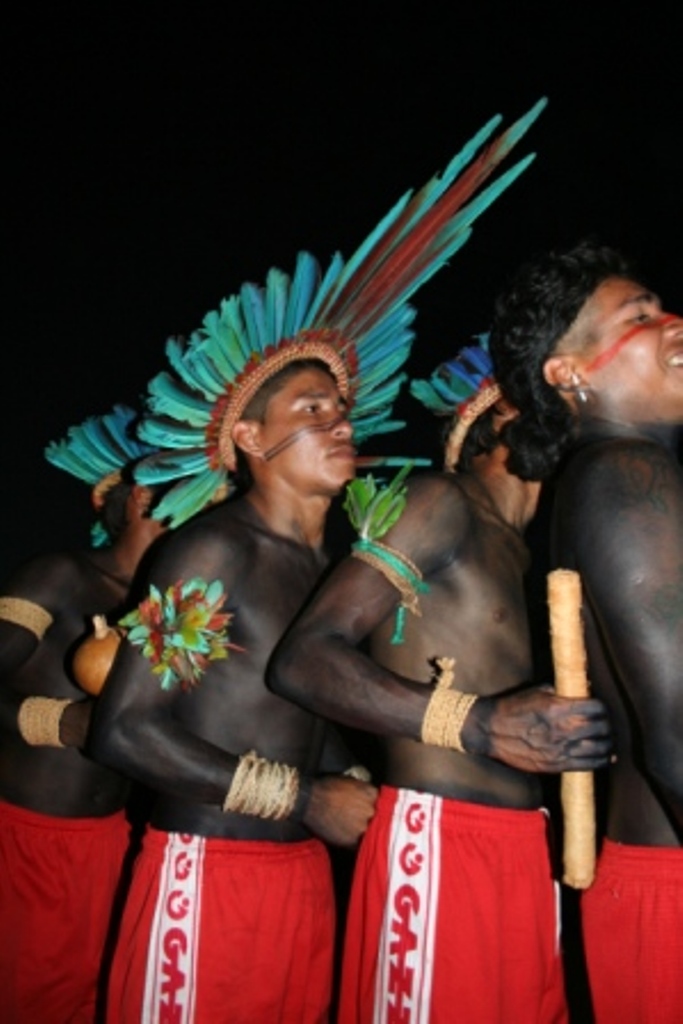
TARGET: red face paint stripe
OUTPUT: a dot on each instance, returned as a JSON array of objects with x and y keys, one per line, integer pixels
[{"x": 609, "y": 353}]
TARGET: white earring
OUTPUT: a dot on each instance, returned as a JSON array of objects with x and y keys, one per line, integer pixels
[{"x": 579, "y": 388}]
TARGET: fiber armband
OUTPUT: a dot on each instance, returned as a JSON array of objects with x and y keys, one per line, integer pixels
[
  {"x": 262, "y": 788},
  {"x": 401, "y": 572},
  {"x": 446, "y": 712},
  {"x": 372, "y": 511},
  {"x": 38, "y": 720},
  {"x": 25, "y": 613}
]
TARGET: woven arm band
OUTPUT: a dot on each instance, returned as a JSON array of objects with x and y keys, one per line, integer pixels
[
  {"x": 38, "y": 721},
  {"x": 444, "y": 718},
  {"x": 396, "y": 567},
  {"x": 262, "y": 788},
  {"x": 401, "y": 572},
  {"x": 25, "y": 613},
  {"x": 447, "y": 710}
]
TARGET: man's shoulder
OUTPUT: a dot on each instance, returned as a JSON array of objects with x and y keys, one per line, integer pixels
[
  {"x": 602, "y": 465},
  {"x": 436, "y": 521},
  {"x": 218, "y": 520},
  {"x": 63, "y": 583},
  {"x": 441, "y": 498},
  {"x": 435, "y": 486},
  {"x": 60, "y": 566},
  {"x": 617, "y": 494},
  {"x": 219, "y": 534}
]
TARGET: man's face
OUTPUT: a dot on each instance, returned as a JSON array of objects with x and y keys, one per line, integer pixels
[
  {"x": 632, "y": 355},
  {"x": 306, "y": 436}
]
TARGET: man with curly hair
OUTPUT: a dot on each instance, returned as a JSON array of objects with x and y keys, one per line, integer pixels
[{"x": 586, "y": 351}]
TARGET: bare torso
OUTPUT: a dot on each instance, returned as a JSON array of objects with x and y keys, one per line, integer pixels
[
  {"x": 267, "y": 578},
  {"x": 617, "y": 520},
  {"x": 474, "y": 612},
  {"x": 60, "y": 782}
]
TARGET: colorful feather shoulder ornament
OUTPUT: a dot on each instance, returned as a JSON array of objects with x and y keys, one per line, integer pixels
[
  {"x": 181, "y": 630},
  {"x": 373, "y": 510},
  {"x": 464, "y": 388},
  {"x": 355, "y": 317},
  {"x": 96, "y": 451}
]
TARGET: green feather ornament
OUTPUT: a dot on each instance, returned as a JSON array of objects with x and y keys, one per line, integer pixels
[{"x": 372, "y": 511}]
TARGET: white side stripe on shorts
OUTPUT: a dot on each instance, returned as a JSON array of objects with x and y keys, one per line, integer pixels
[
  {"x": 405, "y": 966},
  {"x": 170, "y": 982}
]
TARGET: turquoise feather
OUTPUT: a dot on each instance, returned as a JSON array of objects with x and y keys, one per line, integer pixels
[
  {"x": 366, "y": 299},
  {"x": 166, "y": 395},
  {"x": 277, "y": 288},
  {"x": 188, "y": 496},
  {"x": 456, "y": 380},
  {"x": 304, "y": 283},
  {"x": 97, "y": 447},
  {"x": 156, "y": 471}
]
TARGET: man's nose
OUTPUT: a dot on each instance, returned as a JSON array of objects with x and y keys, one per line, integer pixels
[
  {"x": 672, "y": 322},
  {"x": 342, "y": 427}
]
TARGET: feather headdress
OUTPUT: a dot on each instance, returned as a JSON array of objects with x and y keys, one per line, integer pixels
[
  {"x": 463, "y": 387},
  {"x": 96, "y": 451},
  {"x": 355, "y": 317}
]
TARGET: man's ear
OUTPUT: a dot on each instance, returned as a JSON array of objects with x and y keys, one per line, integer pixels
[
  {"x": 246, "y": 435},
  {"x": 142, "y": 497},
  {"x": 560, "y": 373}
]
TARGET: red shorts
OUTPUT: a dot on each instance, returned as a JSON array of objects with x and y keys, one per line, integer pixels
[
  {"x": 58, "y": 883},
  {"x": 221, "y": 930},
  {"x": 632, "y": 919},
  {"x": 453, "y": 916}
]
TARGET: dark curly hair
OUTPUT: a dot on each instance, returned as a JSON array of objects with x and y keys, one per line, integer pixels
[{"x": 531, "y": 314}]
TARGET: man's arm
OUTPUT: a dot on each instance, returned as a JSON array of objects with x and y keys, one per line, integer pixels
[
  {"x": 32, "y": 608},
  {"x": 320, "y": 665},
  {"x": 335, "y": 756},
  {"x": 29, "y": 603},
  {"x": 134, "y": 732},
  {"x": 135, "y": 728}
]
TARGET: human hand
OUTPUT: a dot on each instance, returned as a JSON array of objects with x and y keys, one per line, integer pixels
[
  {"x": 75, "y": 722},
  {"x": 535, "y": 730},
  {"x": 339, "y": 809}
]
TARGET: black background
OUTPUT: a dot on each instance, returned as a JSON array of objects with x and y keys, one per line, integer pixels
[{"x": 155, "y": 156}]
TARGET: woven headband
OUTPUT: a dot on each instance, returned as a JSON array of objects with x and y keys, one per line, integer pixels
[
  {"x": 101, "y": 488},
  {"x": 462, "y": 388},
  {"x": 471, "y": 411},
  {"x": 246, "y": 387}
]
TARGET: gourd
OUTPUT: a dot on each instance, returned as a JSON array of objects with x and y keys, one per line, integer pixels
[{"x": 95, "y": 655}]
